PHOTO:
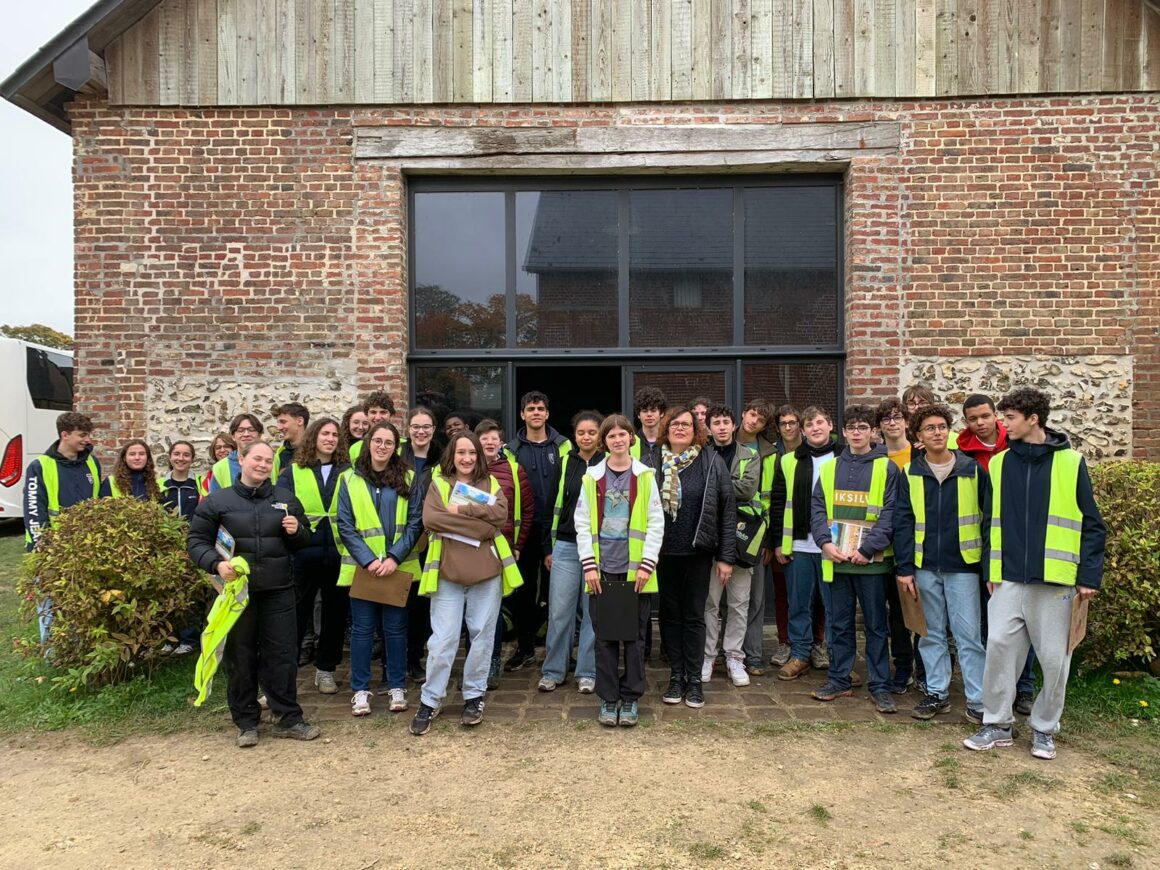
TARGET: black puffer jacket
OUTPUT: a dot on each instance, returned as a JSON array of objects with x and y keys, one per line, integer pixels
[
  {"x": 717, "y": 526},
  {"x": 250, "y": 515}
]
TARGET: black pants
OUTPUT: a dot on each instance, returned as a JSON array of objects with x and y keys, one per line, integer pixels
[
  {"x": 310, "y": 579},
  {"x": 528, "y": 601},
  {"x": 684, "y": 585},
  {"x": 901, "y": 644},
  {"x": 267, "y": 631},
  {"x": 612, "y": 684},
  {"x": 418, "y": 627}
]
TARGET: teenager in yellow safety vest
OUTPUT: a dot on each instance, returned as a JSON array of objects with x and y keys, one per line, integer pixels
[
  {"x": 1046, "y": 555},
  {"x": 379, "y": 524},
  {"x": 133, "y": 474},
  {"x": 469, "y": 568},
  {"x": 244, "y": 429},
  {"x": 939, "y": 532},
  {"x": 619, "y": 529},
  {"x": 852, "y": 513},
  {"x": 314, "y": 476}
]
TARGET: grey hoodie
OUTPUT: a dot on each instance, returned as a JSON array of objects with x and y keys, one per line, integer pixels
[{"x": 853, "y": 472}]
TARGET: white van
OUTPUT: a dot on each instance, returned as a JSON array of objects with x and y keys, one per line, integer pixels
[{"x": 37, "y": 386}]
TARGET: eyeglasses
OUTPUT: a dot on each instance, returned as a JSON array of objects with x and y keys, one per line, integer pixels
[
  {"x": 246, "y": 429},
  {"x": 894, "y": 418},
  {"x": 787, "y": 424},
  {"x": 421, "y": 427},
  {"x": 680, "y": 424},
  {"x": 858, "y": 427},
  {"x": 936, "y": 427},
  {"x": 382, "y": 442}
]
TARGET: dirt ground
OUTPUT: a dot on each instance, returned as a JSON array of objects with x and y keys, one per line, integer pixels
[{"x": 569, "y": 794}]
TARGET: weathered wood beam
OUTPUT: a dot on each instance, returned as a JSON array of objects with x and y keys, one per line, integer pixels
[{"x": 81, "y": 70}]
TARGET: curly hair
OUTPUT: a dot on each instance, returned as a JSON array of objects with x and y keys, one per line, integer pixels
[
  {"x": 925, "y": 413},
  {"x": 395, "y": 474},
  {"x": 122, "y": 474},
  {"x": 307, "y": 452},
  {"x": 1027, "y": 401},
  {"x": 649, "y": 399}
]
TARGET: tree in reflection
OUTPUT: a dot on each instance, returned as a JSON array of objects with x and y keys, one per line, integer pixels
[{"x": 444, "y": 320}]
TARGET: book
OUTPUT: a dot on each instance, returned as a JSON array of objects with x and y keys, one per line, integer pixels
[
  {"x": 224, "y": 544},
  {"x": 847, "y": 536},
  {"x": 463, "y": 493}
]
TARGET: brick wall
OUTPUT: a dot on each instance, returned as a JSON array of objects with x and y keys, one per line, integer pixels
[{"x": 247, "y": 248}]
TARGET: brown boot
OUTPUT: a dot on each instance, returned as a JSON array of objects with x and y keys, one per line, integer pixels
[{"x": 793, "y": 669}]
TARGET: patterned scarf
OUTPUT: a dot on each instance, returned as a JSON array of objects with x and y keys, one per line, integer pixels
[{"x": 672, "y": 465}]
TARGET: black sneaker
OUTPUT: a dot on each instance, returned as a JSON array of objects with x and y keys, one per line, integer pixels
[
  {"x": 693, "y": 696},
  {"x": 493, "y": 675},
  {"x": 1023, "y": 702},
  {"x": 472, "y": 712},
  {"x": 901, "y": 681},
  {"x": 297, "y": 731},
  {"x": 519, "y": 659},
  {"x": 421, "y": 724},
  {"x": 930, "y": 706},
  {"x": 416, "y": 674},
  {"x": 884, "y": 702},
  {"x": 675, "y": 693},
  {"x": 974, "y": 715}
]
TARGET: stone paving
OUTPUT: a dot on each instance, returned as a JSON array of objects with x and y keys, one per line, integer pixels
[{"x": 766, "y": 699}]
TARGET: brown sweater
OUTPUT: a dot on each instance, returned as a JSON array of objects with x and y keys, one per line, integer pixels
[{"x": 459, "y": 562}]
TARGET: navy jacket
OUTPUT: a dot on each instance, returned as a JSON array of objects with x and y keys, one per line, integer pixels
[
  {"x": 853, "y": 472},
  {"x": 181, "y": 497},
  {"x": 136, "y": 486},
  {"x": 941, "y": 545},
  {"x": 1026, "y": 489},
  {"x": 541, "y": 463},
  {"x": 75, "y": 483},
  {"x": 322, "y": 546},
  {"x": 385, "y": 504}
]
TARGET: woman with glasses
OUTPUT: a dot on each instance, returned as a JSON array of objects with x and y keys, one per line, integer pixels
[
  {"x": 245, "y": 429},
  {"x": 379, "y": 523},
  {"x": 219, "y": 448},
  {"x": 421, "y": 452},
  {"x": 700, "y": 528}
]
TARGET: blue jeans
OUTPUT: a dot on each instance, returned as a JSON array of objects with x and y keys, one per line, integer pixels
[
  {"x": 564, "y": 594},
  {"x": 44, "y": 618},
  {"x": 871, "y": 595},
  {"x": 365, "y": 618},
  {"x": 951, "y": 599},
  {"x": 1026, "y": 684},
  {"x": 803, "y": 575},
  {"x": 451, "y": 604}
]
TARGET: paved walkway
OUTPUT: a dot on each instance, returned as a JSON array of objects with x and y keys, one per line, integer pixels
[{"x": 766, "y": 699}]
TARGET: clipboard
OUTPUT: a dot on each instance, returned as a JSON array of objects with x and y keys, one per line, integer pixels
[
  {"x": 615, "y": 611},
  {"x": 392, "y": 589},
  {"x": 1079, "y": 617},
  {"x": 912, "y": 614}
]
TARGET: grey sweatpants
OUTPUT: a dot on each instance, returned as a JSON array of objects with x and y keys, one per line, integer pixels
[{"x": 1020, "y": 615}]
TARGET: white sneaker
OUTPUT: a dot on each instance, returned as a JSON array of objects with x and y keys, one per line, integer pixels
[
  {"x": 360, "y": 704},
  {"x": 324, "y": 682},
  {"x": 398, "y": 700},
  {"x": 166, "y": 650},
  {"x": 586, "y": 685},
  {"x": 781, "y": 655},
  {"x": 707, "y": 670},
  {"x": 737, "y": 673},
  {"x": 183, "y": 649}
]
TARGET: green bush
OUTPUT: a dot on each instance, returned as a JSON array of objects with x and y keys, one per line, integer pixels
[
  {"x": 1124, "y": 621},
  {"x": 119, "y": 577}
]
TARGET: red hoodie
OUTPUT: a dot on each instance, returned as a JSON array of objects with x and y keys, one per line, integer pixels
[{"x": 970, "y": 444}]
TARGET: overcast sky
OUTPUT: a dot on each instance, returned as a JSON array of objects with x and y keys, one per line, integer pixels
[{"x": 35, "y": 182}]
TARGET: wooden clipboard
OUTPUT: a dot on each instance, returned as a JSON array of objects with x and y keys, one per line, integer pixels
[
  {"x": 912, "y": 613},
  {"x": 392, "y": 589},
  {"x": 1079, "y": 617}
]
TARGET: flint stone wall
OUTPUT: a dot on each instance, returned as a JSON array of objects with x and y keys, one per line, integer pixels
[{"x": 1091, "y": 396}]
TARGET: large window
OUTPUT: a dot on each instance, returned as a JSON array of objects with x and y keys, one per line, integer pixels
[
  {"x": 50, "y": 380},
  {"x": 705, "y": 283}
]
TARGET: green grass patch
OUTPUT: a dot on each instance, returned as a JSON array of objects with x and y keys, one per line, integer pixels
[
  {"x": 820, "y": 814},
  {"x": 706, "y": 851},
  {"x": 1118, "y": 859}
]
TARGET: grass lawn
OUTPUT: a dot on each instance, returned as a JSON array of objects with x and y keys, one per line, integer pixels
[{"x": 28, "y": 702}]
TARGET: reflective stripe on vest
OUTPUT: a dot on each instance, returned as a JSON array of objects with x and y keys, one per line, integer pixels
[
  {"x": 637, "y": 523},
  {"x": 509, "y": 572},
  {"x": 1064, "y": 519},
  {"x": 370, "y": 529},
  {"x": 788, "y": 470},
  {"x": 517, "y": 499},
  {"x": 306, "y": 488},
  {"x": 875, "y": 496},
  {"x": 970, "y": 535}
]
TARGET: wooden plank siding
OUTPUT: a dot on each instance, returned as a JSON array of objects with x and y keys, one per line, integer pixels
[{"x": 408, "y": 52}]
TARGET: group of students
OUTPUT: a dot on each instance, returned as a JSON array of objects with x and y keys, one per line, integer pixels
[{"x": 693, "y": 507}]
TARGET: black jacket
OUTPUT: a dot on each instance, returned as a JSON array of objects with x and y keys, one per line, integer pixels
[
  {"x": 940, "y": 550},
  {"x": 1026, "y": 490},
  {"x": 75, "y": 480},
  {"x": 249, "y": 515},
  {"x": 322, "y": 546},
  {"x": 181, "y": 496},
  {"x": 541, "y": 463},
  {"x": 782, "y": 489},
  {"x": 717, "y": 526},
  {"x": 574, "y": 470}
]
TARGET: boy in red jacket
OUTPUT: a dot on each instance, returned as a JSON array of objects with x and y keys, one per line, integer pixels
[{"x": 985, "y": 435}]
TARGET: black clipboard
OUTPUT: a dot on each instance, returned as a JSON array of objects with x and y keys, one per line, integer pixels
[{"x": 616, "y": 610}]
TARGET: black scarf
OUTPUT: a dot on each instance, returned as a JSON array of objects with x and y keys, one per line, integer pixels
[{"x": 803, "y": 484}]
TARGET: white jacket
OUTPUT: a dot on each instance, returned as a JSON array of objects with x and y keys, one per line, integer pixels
[{"x": 654, "y": 534}]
